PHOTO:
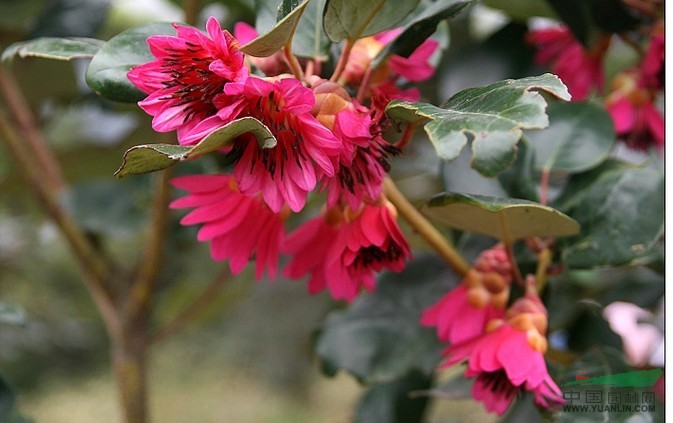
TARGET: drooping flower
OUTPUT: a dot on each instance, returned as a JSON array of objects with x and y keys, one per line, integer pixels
[
  {"x": 237, "y": 226},
  {"x": 581, "y": 69},
  {"x": 190, "y": 70},
  {"x": 637, "y": 119},
  {"x": 343, "y": 248},
  {"x": 509, "y": 358},
  {"x": 462, "y": 314},
  {"x": 286, "y": 173},
  {"x": 271, "y": 65}
]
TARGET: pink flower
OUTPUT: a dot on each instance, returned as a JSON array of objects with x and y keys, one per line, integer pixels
[
  {"x": 637, "y": 120},
  {"x": 271, "y": 65},
  {"x": 415, "y": 68},
  {"x": 363, "y": 160},
  {"x": 342, "y": 249},
  {"x": 643, "y": 341},
  {"x": 652, "y": 65},
  {"x": 190, "y": 70},
  {"x": 286, "y": 173},
  {"x": 237, "y": 225},
  {"x": 579, "y": 68},
  {"x": 463, "y": 313},
  {"x": 509, "y": 358}
]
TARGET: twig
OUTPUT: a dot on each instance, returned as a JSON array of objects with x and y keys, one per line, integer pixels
[
  {"x": 425, "y": 228},
  {"x": 191, "y": 9},
  {"x": 192, "y": 311},
  {"x": 26, "y": 121}
]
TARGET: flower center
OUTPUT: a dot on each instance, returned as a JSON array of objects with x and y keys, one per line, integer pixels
[
  {"x": 269, "y": 111},
  {"x": 196, "y": 84},
  {"x": 498, "y": 383},
  {"x": 369, "y": 256}
]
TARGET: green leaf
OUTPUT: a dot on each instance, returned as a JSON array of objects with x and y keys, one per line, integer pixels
[
  {"x": 493, "y": 116},
  {"x": 278, "y": 36},
  {"x": 519, "y": 180},
  {"x": 53, "y": 48},
  {"x": 12, "y": 315},
  {"x": 70, "y": 18},
  {"x": 354, "y": 19},
  {"x": 393, "y": 402},
  {"x": 152, "y": 157},
  {"x": 522, "y": 10},
  {"x": 310, "y": 39},
  {"x": 285, "y": 8},
  {"x": 579, "y": 138},
  {"x": 106, "y": 74},
  {"x": 415, "y": 32},
  {"x": 378, "y": 338},
  {"x": 577, "y": 16},
  {"x": 507, "y": 219},
  {"x": 622, "y": 218}
]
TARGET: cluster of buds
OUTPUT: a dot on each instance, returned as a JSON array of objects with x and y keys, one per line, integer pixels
[
  {"x": 503, "y": 345},
  {"x": 328, "y": 137}
]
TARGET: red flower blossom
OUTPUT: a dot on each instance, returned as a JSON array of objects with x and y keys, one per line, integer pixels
[
  {"x": 415, "y": 68},
  {"x": 190, "y": 70},
  {"x": 509, "y": 357},
  {"x": 637, "y": 119},
  {"x": 237, "y": 225},
  {"x": 463, "y": 313},
  {"x": 286, "y": 173},
  {"x": 342, "y": 249},
  {"x": 579, "y": 68},
  {"x": 363, "y": 160}
]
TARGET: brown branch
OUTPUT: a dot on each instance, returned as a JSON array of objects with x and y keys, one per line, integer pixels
[
  {"x": 149, "y": 267},
  {"x": 425, "y": 228},
  {"x": 94, "y": 268},
  {"x": 27, "y": 123},
  {"x": 191, "y": 9},
  {"x": 191, "y": 312}
]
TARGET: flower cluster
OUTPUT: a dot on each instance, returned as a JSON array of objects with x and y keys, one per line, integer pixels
[
  {"x": 504, "y": 346},
  {"x": 631, "y": 97},
  {"x": 328, "y": 137}
]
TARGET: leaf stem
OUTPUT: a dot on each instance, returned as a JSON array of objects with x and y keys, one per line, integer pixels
[
  {"x": 424, "y": 228},
  {"x": 544, "y": 186},
  {"x": 292, "y": 61},
  {"x": 406, "y": 136},
  {"x": 343, "y": 60},
  {"x": 509, "y": 248},
  {"x": 544, "y": 258}
]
